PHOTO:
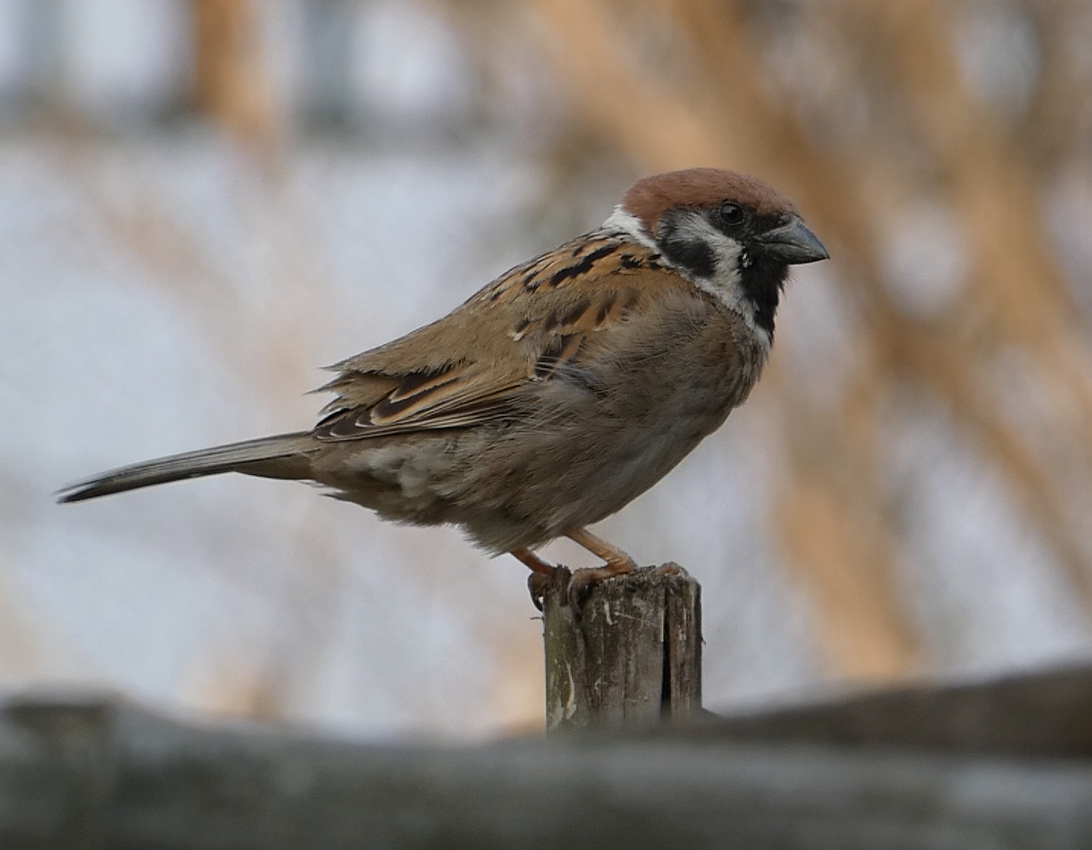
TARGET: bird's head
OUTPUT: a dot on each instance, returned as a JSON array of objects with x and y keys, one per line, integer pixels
[{"x": 733, "y": 236}]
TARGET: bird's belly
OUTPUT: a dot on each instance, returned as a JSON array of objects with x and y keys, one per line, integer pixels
[
  {"x": 520, "y": 486},
  {"x": 544, "y": 482},
  {"x": 605, "y": 475}
]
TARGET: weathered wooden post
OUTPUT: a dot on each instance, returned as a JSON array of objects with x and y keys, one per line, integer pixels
[{"x": 630, "y": 653}]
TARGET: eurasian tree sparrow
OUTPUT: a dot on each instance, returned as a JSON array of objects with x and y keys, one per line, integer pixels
[{"x": 562, "y": 390}]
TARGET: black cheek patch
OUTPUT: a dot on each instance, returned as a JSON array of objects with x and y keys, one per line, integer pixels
[{"x": 688, "y": 252}]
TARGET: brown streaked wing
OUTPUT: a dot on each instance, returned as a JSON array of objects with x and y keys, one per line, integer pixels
[
  {"x": 537, "y": 322},
  {"x": 455, "y": 397}
]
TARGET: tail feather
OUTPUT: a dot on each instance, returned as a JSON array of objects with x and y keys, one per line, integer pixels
[{"x": 282, "y": 456}]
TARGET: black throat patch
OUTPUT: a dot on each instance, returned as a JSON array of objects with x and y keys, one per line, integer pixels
[{"x": 762, "y": 282}]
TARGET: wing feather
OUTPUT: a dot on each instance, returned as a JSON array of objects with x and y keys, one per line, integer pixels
[{"x": 545, "y": 320}]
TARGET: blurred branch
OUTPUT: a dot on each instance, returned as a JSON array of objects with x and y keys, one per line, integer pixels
[
  {"x": 231, "y": 81},
  {"x": 991, "y": 186}
]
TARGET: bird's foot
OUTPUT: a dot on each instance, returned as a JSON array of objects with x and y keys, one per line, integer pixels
[
  {"x": 541, "y": 575},
  {"x": 617, "y": 563},
  {"x": 537, "y": 584},
  {"x": 583, "y": 581}
]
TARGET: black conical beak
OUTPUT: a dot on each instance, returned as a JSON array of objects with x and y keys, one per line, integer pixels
[{"x": 793, "y": 243}]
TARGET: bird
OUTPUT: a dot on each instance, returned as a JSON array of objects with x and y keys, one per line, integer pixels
[{"x": 557, "y": 393}]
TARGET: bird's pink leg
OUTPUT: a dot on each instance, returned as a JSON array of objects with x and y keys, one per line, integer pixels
[
  {"x": 617, "y": 563},
  {"x": 532, "y": 561}
]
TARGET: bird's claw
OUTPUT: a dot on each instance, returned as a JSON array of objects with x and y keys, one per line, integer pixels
[
  {"x": 582, "y": 581},
  {"x": 537, "y": 584}
]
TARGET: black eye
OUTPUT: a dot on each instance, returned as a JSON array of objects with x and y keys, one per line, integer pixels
[{"x": 731, "y": 214}]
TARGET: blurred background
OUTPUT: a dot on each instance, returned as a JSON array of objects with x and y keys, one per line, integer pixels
[{"x": 202, "y": 201}]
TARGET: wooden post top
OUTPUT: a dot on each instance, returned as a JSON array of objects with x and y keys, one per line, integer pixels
[{"x": 631, "y": 652}]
